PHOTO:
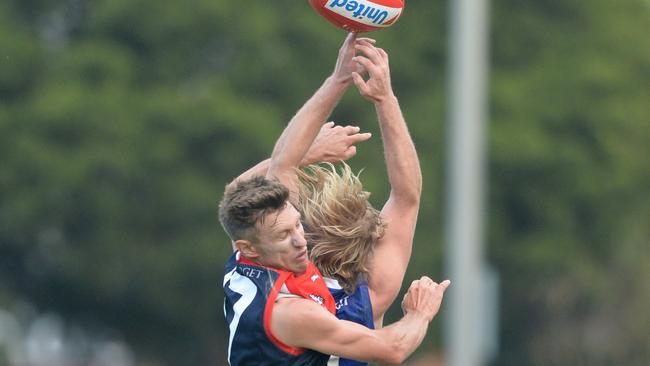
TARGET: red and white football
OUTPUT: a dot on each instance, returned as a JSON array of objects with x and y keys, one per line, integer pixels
[{"x": 359, "y": 15}]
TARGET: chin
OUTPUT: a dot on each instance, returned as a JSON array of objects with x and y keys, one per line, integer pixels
[{"x": 299, "y": 269}]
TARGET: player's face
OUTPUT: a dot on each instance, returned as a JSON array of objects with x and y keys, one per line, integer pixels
[{"x": 282, "y": 242}]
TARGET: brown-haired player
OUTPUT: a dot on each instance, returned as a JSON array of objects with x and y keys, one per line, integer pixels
[{"x": 272, "y": 257}]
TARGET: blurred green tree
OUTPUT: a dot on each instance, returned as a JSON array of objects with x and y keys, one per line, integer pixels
[{"x": 121, "y": 121}]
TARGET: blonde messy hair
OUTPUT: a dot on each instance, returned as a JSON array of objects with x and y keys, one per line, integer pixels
[{"x": 341, "y": 226}]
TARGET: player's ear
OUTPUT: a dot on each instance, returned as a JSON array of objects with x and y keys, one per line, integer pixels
[{"x": 247, "y": 249}]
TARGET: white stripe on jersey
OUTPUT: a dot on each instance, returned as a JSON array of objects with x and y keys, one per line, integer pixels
[
  {"x": 332, "y": 283},
  {"x": 245, "y": 287},
  {"x": 226, "y": 278},
  {"x": 334, "y": 361}
]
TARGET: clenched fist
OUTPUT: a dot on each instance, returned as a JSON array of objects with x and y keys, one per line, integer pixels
[{"x": 424, "y": 297}]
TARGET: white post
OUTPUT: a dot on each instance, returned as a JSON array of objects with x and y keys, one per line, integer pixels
[{"x": 465, "y": 184}]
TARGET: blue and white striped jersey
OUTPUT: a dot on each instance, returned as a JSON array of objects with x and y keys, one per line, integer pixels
[{"x": 250, "y": 292}]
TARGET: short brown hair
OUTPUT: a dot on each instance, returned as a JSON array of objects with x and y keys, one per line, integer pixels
[{"x": 247, "y": 202}]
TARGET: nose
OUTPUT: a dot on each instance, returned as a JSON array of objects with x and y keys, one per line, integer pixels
[{"x": 299, "y": 240}]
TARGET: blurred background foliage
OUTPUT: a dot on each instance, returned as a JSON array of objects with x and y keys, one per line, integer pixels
[{"x": 121, "y": 121}]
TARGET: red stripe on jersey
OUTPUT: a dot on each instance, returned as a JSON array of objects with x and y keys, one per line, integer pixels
[
  {"x": 268, "y": 307},
  {"x": 311, "y": 285}
]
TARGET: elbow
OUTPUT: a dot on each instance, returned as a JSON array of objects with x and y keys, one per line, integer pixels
[
  {"x": 416, "y": 192},
  {"x": 283, "y": 164},
  {"x": 413, "y": 197},
  {"x": 409, "y": 195},
  {"x": 399, "y": 353},
  {"x": 394, "y": 354},
  {"x": 277, "y": 168},
  {"x": 408, "y": 198}
]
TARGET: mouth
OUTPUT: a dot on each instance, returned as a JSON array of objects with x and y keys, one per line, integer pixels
[{"x": 302, "y": 255}]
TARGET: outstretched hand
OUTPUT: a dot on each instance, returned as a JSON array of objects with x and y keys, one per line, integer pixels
[
  {"x": 345, "y": 66},
  {"x": 334, "y": 143},
  {"x": 375, "y": 62}
]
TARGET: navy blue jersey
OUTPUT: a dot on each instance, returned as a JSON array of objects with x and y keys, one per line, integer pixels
[
  {"x": 250, "y": 292},
  {"x": 355, "y": 307}
]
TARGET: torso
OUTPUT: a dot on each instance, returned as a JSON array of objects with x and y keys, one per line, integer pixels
[{"x": 250, "y": 292}]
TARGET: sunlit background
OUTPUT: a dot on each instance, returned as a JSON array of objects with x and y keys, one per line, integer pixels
[{"x": 122, "y": 120}]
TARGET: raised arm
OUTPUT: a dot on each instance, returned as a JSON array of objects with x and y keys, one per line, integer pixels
[
  {"x": 333, "y": 143},
  {"x": 305, "y": 324},
  {"x": 393, "y": 251},
  {"x": 304, "y": 126}
]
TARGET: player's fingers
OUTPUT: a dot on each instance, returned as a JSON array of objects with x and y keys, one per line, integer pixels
[
  {"x": 348, "y": 43},
  {"x": 383, "y": 54},
  {"x": 350, "y": 38},
  {"x": 370, "y": 67},
  {"x": 364, "y": 43},
  {"x": 329, "y": 124},
  {"x": 370, "y": 51},
  {"x": 350, "y": 152},
  {"x": 414, "y": 283},
  {"x": 360, "y": 68},
  {"x": 367, "y": 47},
  {"x": 366, "y": 39},
  {"x": 440, "y": 289},
  {"x": 351, "y": 129},
  {"x": 360, "y": 137},
  {"x": 360, "y": 83}
]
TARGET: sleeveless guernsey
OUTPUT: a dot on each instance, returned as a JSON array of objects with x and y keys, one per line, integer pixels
[{"x": 250, "y": 292}]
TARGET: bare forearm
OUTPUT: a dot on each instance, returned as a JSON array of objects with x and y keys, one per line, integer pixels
[
  {"x": 402, "y": 161},
  {"x": 304, "y": 126},
  {"x": 261, "y": 168},
  {"x": 301, "y": 323},
  {"x": 333, "y": 143},
  {"x": 405, "y": 336}
]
